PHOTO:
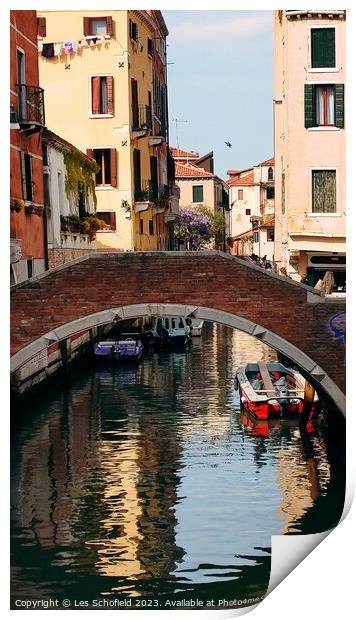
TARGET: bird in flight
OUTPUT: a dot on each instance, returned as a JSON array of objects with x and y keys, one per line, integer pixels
[{"x": 228, "y": 144}]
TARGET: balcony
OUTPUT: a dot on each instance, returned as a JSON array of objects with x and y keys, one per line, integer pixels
[
  {"x": 142, "y": 121},
  {"x": 70, "y": 225},
  {"x": 145, "y": 194},
  {"x": 31, "y": 112}
]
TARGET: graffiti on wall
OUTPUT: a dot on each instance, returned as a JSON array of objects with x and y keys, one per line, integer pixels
[{"x": 337, "y": 325}]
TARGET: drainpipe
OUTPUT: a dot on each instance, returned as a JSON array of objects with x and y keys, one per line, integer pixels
[{"x": 46, "y": 202}]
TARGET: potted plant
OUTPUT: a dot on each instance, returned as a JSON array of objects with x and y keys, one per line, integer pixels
[{"x": 16, "y": 204}]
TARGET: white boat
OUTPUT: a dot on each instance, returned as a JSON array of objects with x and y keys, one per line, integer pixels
[
  {"x": 172, "y": 330},
  {"x": 196, "y": 326}
]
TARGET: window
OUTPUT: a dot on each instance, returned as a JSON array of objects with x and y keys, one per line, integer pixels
[
  {"x": 248, "y": 212},
  {"x": 324, "y": 191},
  {"x": 141, "y": 226},
  {"x": 255, "y": 236},
  {"x": 41, "y": 26},
  {"x": 323, "y": 105},
  {"x": 149, "y": 47},
  {"x": 106, "y": 159},
  {"x": 150, "y": 227},
  {"x": 270, "y": 193},
  {"x": 102, "y": 94},
  {"x": 270, "y": 173},
  {"x": 109, "y": 217},
  {"x": 96, "y": 26},
  {"x": 133, "y": 30},
  {"x": 26, "y": 173},
  {"x": 198, "y": 193},
  {"x": 270, "y": 234},
  {"x": 240, "y": 194},
  {"x": 322, "y": 48}
]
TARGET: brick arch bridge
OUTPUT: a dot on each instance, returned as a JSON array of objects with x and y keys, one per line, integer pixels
[{"x": 98, "y": 289}]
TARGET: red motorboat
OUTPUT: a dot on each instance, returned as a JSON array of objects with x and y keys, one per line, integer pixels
[{"x": 272, "y": 390}]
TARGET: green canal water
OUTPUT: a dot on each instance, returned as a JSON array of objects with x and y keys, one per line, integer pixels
[{"x": 144, "y": 485}]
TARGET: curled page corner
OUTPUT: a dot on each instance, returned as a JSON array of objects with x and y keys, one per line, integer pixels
[{"x": 288, "y": 552}]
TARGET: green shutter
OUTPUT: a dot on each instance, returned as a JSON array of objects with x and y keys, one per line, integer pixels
[
  {"x": 323, "y": 47},
  {"x": 308, "y": 106},
  {"x": 339, "y": 105},
  {"x": 198, "y": 193}
]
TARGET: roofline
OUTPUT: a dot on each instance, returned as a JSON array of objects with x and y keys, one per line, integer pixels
[{"x": 52, "y": 139}]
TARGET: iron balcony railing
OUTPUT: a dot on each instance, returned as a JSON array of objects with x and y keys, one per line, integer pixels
[
  {"x": 145, "y": 191},
  {"x": 30, "y": 105},
  {"x": 142, "y": 118}
]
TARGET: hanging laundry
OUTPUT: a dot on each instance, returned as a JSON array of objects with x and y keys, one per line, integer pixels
[
  {"x": 68, "y": 46},
  {"x": 57, "y": 49},
  {"x": 76, "y": 45},
  {"x": 48, "y": 50}
]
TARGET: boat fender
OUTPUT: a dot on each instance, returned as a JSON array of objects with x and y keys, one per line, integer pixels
[{"x": 236, "y": 383}]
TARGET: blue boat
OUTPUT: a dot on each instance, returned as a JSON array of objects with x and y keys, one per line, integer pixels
[{"x": 128, "y": 348}]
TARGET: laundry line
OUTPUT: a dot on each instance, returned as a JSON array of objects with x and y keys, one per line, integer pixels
[{"x": 69, "y": 46}]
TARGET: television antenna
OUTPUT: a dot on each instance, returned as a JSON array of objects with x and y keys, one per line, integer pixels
[{"x": 176, "y": 121}]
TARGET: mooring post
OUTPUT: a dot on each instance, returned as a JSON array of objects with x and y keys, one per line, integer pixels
[{"x": 309, "y": 392}]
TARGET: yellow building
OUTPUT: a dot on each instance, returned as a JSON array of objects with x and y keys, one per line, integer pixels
[{"x": 104, "y": 75}]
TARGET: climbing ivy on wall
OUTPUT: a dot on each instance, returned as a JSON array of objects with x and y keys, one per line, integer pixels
[{"x": 79, "y": 177}]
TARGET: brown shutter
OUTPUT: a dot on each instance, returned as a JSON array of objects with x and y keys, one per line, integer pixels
[
  {"x": 86, "y": 26},
  {"x": 90, "y": 153},
  {"x": 95, "y": 95},
  {"x": 113, "y": 168},
  {"x": 110, "y": 90},
  {"x": 109, "y": 25},
  {"x": 41, "y": 26},
  {"x": 112, "y": 216}
]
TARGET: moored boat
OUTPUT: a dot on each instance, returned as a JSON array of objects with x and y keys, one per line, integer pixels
[
  {"x": 271, "y": 389},
  {"x": 196, "y": 326},
  {"x": 172, "y": 330},
  {"x": 128, "y": 348}
]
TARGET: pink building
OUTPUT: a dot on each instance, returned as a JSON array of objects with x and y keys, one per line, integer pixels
[{"x": 310, "y": 143}]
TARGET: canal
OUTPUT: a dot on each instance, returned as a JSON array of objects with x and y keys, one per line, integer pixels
[{"x": 148, "y": 484}]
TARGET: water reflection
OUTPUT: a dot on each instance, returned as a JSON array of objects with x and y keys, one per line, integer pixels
[{"x": 151, "y": 482}]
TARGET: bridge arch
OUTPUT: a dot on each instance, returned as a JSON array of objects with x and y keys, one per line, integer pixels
[{"x": 308, "y": 366}]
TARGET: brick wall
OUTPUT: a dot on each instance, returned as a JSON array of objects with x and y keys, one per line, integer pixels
[
  {"x": 208, "y": 279},
  {"x": 59, "y": 256}
]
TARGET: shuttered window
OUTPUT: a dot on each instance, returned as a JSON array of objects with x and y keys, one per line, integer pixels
[
  {"x": 134, "y": 103},
  {"x": 323, "y": 105},
  {"x": 41, "y": 26},
  {"x": 107, "y": 160},
  {"x": 240, "y": 194},
  {"x": 102, "y": 95},
  {"x": 322, "y": 48},
  {"x": 133, "y": 30},
  {"x": 198, "y": 193},
  {"x": 98, "y": 26},
  {"x": 324, "y": 191},
  {"x": 339, "y": 105}
]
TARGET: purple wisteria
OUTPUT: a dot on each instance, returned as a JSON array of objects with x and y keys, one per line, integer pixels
[{"x": 194, "y": 227}]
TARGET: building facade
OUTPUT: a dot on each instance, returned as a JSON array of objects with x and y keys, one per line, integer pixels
[
  {"x": 199, "y": 185},
  {"x": 252, "y": 210},
  {"x": 70, "y": 199},
  {"x": 310, "y": 143},
  {"x": 27, "y": 215},
  {"x": 114, "y": 64}
]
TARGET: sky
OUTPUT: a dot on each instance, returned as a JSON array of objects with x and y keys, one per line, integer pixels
[{"x": 221, "y": 84}]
